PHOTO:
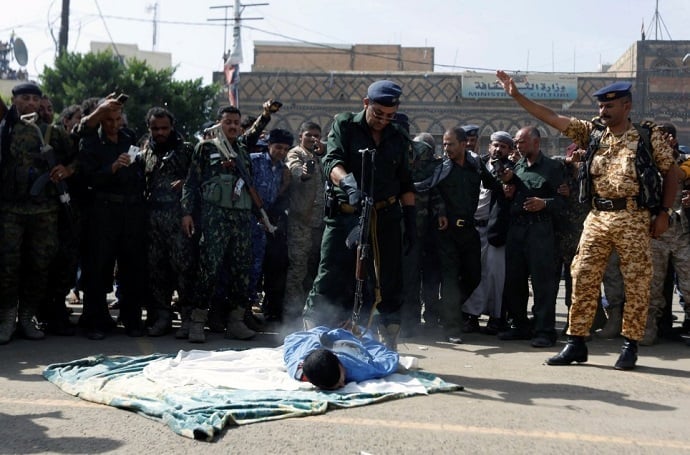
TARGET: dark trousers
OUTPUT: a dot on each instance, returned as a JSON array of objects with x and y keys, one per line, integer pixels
[
  {"x": 531, "y": 252},
  {"x": 330, "y": 301}
]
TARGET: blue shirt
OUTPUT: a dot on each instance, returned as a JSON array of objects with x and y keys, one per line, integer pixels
[
  {"x": 363, "y": 359},
  {"x": 267, "y": 177}
]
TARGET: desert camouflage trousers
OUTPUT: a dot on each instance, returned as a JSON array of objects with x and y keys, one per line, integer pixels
[
  {"x": 673, "y": 245},
  {"x": 628, "y": 232}
]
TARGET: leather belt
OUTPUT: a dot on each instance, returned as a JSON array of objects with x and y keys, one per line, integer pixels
[
  {"x": 118, "y": 198},
  {"x": 610, "y": 205},
  {"x": 462, "y": 223},
  {"x": 348, "y": 209}
]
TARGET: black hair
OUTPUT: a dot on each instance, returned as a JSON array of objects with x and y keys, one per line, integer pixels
[
  {"x": 159, "y": 112},
  {"x": 247, "y": 122},
  {"x": 459, "y": 133},
  {"x": 306, "y": 126},
  {"x": 228, "y": 110},
  {"x": 322, "y": 368}
]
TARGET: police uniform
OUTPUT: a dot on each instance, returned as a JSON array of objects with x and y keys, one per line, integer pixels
[
  {"x": 331, "y": 298},
  {"x": 617, "y": 220}
]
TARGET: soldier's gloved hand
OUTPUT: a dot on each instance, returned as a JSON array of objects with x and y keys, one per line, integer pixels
[
  {"x": 410, "y": 221},
  {"x": 349, "y": 185}
]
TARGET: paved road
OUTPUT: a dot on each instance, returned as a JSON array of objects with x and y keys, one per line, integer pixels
[{"x": 512, "y": 403}]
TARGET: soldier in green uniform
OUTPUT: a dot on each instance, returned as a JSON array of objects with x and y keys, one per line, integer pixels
[
  {"x": 170, "y": 254},
  {"x": 28, "y": 210},
  {"x": 216, "y": 188},
  {"x": 620, "y": 179},
  {"x": 330, "y": 300}
]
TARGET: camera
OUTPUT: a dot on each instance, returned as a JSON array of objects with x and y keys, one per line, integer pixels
[{"x": 311, "y": 165}]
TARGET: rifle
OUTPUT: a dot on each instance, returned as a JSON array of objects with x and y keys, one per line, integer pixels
[
  {"x": 48, "y": 154},
  {"x": 224, "y": 146},
  {"x": 364, "y": 249}
]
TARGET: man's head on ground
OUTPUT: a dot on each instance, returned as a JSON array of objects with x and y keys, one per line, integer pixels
[{"x": 323, "y": 369}]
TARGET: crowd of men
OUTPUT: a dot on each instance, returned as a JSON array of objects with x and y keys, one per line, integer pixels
[{"x": 251, "y": 220}]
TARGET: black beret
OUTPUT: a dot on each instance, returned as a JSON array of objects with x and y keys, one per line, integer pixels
[
  {"x": 278, "y": 136},
  {"x": 613, "y": 91},
  {"x": 26, "y": 88},
  {"x": 385, "y": 93}
]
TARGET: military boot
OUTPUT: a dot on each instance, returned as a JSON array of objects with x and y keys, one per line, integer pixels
[
  {"x": 26, "y": 326},
  {"x": 162, "y": 324},
  {"x": 628, "y": 357},
  {"x": 236, "y": 328},
  {"x": 185, "y": 324},
  {"x": 196, "y": 326},
  {"x": 388, "y": 335},
  {"x": 574, "y": 351},
  {"x": 614, "y": 321},
  {"x": 650, "y": 330},
  {"x": 8, "y": 318}
]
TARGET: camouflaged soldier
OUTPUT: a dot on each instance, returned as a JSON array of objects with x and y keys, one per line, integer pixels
[
  {"x": 171, "y": 254},
  {"x": 305, "y": 223},
  {"x": 623, "y": 196},
  {"x": 31, "y": 188},
  {"x": 217, "y": 187}
]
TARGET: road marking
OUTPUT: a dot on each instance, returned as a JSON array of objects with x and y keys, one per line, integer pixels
[{"x": 493, "y": 431}]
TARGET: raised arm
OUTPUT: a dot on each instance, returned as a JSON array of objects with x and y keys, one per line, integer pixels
[{"x": 543, "y": 113}]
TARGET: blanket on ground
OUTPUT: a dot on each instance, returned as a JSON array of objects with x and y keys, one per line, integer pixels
[{"x": 197, "y": 393}]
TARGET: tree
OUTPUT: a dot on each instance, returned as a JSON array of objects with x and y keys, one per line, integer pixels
[{"x": 76, "y": 77}]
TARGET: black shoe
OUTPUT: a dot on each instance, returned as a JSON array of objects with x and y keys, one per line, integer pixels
[
  {"x": 628, "y": 357},
  {"x": 494, "y": 326},
  {"x": 60, "y": 328},
  {"x": 574, "y": 351},
  {"x": 470, "y": 323},
  {"x": 542, "y": 342},
  {"x": 515, "y": 334}
]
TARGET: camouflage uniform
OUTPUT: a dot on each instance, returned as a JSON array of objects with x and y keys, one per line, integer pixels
[
  {"x": 171, "y": 254},
  {"x": 674, "y": 246},
  {"x": 28, "y": 223},
  {"x": 614, "y": 176},
  {"x": 225, "y": 245},
  {"x": 305, "y": 228}
]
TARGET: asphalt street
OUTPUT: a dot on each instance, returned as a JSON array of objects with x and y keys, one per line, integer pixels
[{"x": 511, "y": 404}]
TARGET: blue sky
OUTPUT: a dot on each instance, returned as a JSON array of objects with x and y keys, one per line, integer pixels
[{"x": 531, "y": 35}]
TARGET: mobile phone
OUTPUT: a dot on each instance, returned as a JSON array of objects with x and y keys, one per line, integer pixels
[
  {"x": 275, "y": 106},
  {"x": 311, "y": 164},
  {"x": 122, "y": 98}
]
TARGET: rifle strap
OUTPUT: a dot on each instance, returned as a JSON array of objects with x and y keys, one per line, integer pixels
[{"x": 376, "y": 253}]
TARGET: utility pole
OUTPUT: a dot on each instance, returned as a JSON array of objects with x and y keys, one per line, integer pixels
[
  {"x": 64, "y": 29},
  {"x": 154, "y": 8},
  {"x": 232, "y": 59}
]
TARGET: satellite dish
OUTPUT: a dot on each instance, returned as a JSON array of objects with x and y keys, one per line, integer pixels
[{"x": 20, "y": 52}]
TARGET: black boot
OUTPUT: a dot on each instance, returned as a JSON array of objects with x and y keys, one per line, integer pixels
[
  {"x": 574, "y": 351},
  {"x": 628, "y": 357}
]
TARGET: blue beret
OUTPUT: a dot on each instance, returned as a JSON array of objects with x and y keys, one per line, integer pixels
[
  {"x": 471, "y": 130},
  {"x": 278, "y": 136},
  {"x": 385, "y": 93},
  {"x": 502, "y": 136},
  {"x": 26, "y": 88},
  {"x": 613, "y": 91}
]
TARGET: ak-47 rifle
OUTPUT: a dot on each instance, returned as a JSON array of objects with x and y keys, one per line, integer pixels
[
  {"x": 364, "y": 250},
  {"x": 225, "y": 148},
  {"x": 48, "y": 154}
]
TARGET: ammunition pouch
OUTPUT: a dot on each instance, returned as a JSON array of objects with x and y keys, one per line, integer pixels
[{"x": 220, "y": 191}]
